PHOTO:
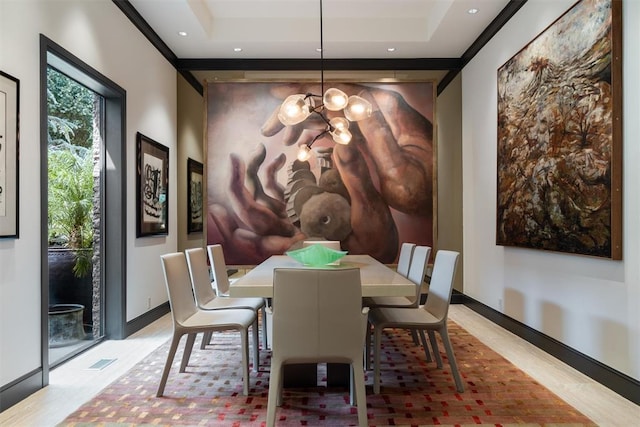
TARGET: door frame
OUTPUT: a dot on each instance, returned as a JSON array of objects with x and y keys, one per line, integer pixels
[{"x": 113, "y": 191}]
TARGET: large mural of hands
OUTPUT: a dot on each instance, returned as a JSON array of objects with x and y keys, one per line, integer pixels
[{"x": 371, "y": 194}]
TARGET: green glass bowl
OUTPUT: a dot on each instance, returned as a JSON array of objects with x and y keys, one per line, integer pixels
[{"x": 316, "y": 255}]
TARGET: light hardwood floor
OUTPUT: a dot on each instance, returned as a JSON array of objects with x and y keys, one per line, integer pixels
[{"x": 73, "y": 383}]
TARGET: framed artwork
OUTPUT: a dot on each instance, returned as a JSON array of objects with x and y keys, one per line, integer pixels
[
  {"x": 372, "y": 194},
  {"x": 9, "y": 144},
  {"x": 152, "y": 192},
  {"x": 195, "y": 198},
  {"x": 559, "y": 154}
]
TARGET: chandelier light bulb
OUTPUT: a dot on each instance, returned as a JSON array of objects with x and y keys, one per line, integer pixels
[
  {"x": 339, "y": 123},
  {"x": 297, "y": 108},
  {"x": 334, "y": 99},
  {"x": 304, "y": 153},
  {"x": 294, "y": 109},
  {"x": 341, "y": 136},
  {"x": 357, "y": 108}
]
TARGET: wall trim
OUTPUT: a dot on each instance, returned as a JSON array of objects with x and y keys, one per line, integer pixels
[
  {"x": 624, "y": 385},
  {"x": 147, "y": 318},
  {"x": 26, "y": 385},
  {"x": 20, "y": 388}
]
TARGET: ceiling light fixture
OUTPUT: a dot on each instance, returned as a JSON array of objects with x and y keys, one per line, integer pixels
[
  {"x": 237, "y": 49},
  {"x": 391, "y": 49},
  {"x": 296, "y": 108},
  {"x": 472, "y": 11},
  {"x": 182, "y": 33}
]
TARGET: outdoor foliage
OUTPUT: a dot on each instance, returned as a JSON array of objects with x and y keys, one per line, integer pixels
[{"x": 70, "y": 168}]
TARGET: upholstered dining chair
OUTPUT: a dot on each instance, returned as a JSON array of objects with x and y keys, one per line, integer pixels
[
  {"x": 416, "y": 271},
  {"x": 221, "y": 284},
  {"x": 404, "y": 258},
  {"x": 431, "y": 317},
  {"x": 206, "y": 298},
  {"x": 317, "y": 317},
  {"x": 189, "y": 319}
]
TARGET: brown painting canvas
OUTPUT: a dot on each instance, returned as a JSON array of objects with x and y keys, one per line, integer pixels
[
  {"x": 559, "y": 139},
  {"x": 370, "y": 195}
]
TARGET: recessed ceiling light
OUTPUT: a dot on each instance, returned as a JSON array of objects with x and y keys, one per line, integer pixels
[
  {"x": 391, "y": 49},
  {"x": 318, "y": 49},
  {"x": 182, "y": 33},
  {"x": 473, "y": 11},
  {"x": 237, "y": 49}
]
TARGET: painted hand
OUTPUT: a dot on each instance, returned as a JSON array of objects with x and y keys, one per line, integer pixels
[
  {"x": 397, "y": 139},
  {"x": 257, "y": 225}
]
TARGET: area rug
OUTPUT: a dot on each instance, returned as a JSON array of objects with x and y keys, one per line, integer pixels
[{"x": 413, "y": 393}]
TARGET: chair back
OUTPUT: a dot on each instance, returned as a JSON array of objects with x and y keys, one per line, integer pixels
[
  {"x": 331, "y": 244},
  {"x": 176, "y": 275},
  {"x": 444, "y": 270},
  {"x": 199, "y": 272},
  {"x": 317, "y": 315},
  {"x": 418, "y": 268},
  {"x": 404, "y": 259},
  {"x": 219, "y": 269}
]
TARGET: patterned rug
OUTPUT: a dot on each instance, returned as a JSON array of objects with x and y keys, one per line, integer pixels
[{"x": 413, "y": 393}]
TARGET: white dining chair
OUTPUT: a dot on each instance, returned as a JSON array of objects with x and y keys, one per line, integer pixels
[
  {"x": 431, "y": 317},
  {"x": 317, "y": 317},
  {"x": 221, "y": 284},
  {"x": 404, "y": 258},
  {"x": 206, "y": 298},
  {"x": 416, "y": 272},
  {"x": 189, "y": 319}
]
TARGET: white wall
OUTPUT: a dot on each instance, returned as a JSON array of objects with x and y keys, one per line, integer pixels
[
  {"x": 99, "y": 34},
  {"x": 591, "y": 305},
  {"x": 190, "y": 137},
  {"x": 449, "y": 177}
]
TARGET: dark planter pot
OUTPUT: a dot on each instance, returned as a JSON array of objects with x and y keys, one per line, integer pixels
[
  {"x": 65, "y": 324},
  {"x": 65, "y": 287}
]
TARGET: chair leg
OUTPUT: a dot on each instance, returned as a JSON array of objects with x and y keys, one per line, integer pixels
[
  {"x": 434, "y": 346},
  {"x": 414, "y": 336},
  {"x": 244, "y": 337},
  {"x": 256, "y": 350},
  {"x": 187, "y": 351},
  {"x": 452, "y": 359},
  {"x": 377, "y": 337},
  {"x": 352, "y": 389},
  {"x": 274, "y": 392},
  {"x": 280, "y": 385},
  {"x": 264, "y": 327},
  {"x": 206, "y": 339},
  {"x": 367, "y": 348},
  {"x": 357, "y": 372},
  {"x": 425, "y": 346},
  {"x": 167, "y": 364}
]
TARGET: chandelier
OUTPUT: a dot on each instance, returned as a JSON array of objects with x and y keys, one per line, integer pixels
[{"x": 297, "y": 108}]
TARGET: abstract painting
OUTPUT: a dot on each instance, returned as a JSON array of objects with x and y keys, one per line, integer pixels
[
  {"x": 559, "y": 136},
  {"x": 152, "y": 187},
  {"x": 195, "y": 196},
  {"x": 9, "y": 143}
]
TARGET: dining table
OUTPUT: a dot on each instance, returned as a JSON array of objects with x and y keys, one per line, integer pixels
[{"x": 377, "y": 279}]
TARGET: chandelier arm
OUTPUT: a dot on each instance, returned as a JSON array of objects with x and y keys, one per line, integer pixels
[
  {"x": 318, "y": 111},
  {"x": 317, "y": 137}
]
